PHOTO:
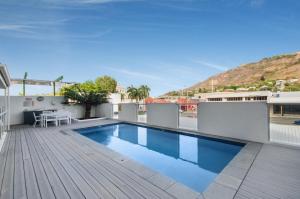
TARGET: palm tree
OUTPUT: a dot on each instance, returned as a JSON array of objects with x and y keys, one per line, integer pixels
[
  {"x": 144, "y": 91},
  {"x": 133, "y": 93}
]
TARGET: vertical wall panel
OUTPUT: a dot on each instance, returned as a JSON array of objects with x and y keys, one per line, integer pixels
[
  {"x": 240, "y": 120},
  {"x": 166, "y": 115},
  {"x": 128, "y": 112},
  {"x": 104, "y": 110}
]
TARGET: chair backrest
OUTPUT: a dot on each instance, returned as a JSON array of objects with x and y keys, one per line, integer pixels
[{"x": 34, "y": 115}]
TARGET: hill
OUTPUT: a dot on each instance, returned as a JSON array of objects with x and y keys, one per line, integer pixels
[{"x": 261, "y": 75}]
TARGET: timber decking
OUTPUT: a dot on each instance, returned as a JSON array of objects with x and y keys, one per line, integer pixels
[
  {"x": 58, "y": 163},
  {"x": 48, "y": 163},
  {"x": 275, "y": 173}
]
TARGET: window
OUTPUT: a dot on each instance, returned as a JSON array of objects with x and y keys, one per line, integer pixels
[
  {"x": 276, "y": 109},
  {"x": 256, "y": 98},
  {"x": 291, "y": 109},
  {"x": 234, "y": 99},
  {"x": 260, "y": 98},
  {"x": 287, "y": 109},
  {"x": 215, "y": 99}
]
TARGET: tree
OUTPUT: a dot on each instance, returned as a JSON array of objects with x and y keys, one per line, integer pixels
[
  {"x": 87, "y": 93},
  {"x": 106, "y": 83},
  {"x": 144, "y": 91},
  {"x": 133, "y": 93},
  {"x": 138, "y": 93}
]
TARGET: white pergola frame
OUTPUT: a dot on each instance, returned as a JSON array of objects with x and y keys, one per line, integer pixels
[{"x": 5, "y": 105}]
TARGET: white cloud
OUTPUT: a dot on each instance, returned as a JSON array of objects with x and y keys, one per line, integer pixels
[
  {"x": 211, "y": 65},
  {"x": 16, "y": 27}
]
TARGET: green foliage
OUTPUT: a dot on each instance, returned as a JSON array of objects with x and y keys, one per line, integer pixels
[
  {"x": 174, "y": 93},
  {"x": 138, "y": 93},
  {"x": 106, "y": 83},
  {"x": 87, "y": 93},
  {"x": 292, "y": 87},
  {"x": 233, "y": 87},
  {"x": 279, "y": 57},
  {"x": 144, "y": 91}
]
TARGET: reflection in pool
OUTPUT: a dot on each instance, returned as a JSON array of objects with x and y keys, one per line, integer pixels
[{"x": 192, "y": 160}]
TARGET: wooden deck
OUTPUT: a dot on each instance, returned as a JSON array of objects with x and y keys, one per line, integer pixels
[
  {"x": 53, "y": 163},
  {"x": 275, "y": 173}
]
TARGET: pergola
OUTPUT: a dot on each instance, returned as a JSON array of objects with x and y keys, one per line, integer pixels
[
  {"x": 53, "y": 83},
  {"x": 4, "y": 104}
]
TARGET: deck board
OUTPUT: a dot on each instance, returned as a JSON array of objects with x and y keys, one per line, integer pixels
[
  {"x": 274, "y": 174},
  {"x": 3, "y": 158},
  {"x": 19, "y": 176},
  {"x": 7, "y": 190},
  {"x": 48, "y": 163},
  {"x": 32, "y": 188},
  {"x": 136, "y": 190}
]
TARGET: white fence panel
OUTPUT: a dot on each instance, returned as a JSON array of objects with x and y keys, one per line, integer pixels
[
  {"x": 128, "y": 112},
  {"x": 104, "y": 110},
  {"x": 240, "y": 120},
  {"x": 166, "y": 115}
]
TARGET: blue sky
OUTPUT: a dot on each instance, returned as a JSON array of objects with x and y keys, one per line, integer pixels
[{"x": 166, "y": 44}]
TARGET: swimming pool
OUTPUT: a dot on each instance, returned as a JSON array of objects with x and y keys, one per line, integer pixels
[{"x": 191, "y": 160}]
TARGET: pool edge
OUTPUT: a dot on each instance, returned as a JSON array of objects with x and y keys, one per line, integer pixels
[{"x": 225, "y": 185}]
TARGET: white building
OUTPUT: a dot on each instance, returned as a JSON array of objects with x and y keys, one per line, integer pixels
[
  {"x": 282, "y": 104},
  {"x": 234, "y": 96}
]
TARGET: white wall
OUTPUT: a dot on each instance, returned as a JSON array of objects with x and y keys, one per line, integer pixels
[
  {"x": 128, "y": 112},
  {"x": 50, "y": 102},
  {"x": 104, "y": 110},
  {"x": 166, "y": 115},
  {"x": 240, "y": 120}
]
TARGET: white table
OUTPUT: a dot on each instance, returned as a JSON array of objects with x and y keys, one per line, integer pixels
[{"x": 55, "y": 117}]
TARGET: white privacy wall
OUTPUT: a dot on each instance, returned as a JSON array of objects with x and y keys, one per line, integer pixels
[
  {"x": 240, "y": 120},
  {"x": 166, "y": 115},
  {"x": 104, "y": 110},
  {"x": 128, "y": 112},
  {"x": 18, "y": 105}
]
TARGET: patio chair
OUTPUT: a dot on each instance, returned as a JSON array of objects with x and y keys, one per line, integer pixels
[
  {"x": 37, "y": 119},
  {"x": 50, "y": 119}
]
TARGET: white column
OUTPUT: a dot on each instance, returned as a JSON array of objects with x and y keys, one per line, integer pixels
[{"x": 7, "y": 107}]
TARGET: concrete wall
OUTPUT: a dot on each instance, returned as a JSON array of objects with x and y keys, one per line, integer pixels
[
  {"x": 166, "y": 115},
  {"x": 128, "y": 112},
  {"x": 18, "y": 104},
  {"x": 104, "y": 110},
  {"x": 240, "y": 120}
]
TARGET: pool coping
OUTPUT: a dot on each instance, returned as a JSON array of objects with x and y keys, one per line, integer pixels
[{"x": 225, "y": 185}]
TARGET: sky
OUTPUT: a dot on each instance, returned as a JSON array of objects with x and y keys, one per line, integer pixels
[{"x": 165, "y": 44}]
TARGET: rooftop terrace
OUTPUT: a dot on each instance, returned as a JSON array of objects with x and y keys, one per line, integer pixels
[{"x": 58, "y": 163}]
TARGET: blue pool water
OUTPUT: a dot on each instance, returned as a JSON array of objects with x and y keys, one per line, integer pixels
[{"x": 192, "y": 160}]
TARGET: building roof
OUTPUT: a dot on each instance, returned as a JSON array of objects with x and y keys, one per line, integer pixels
[{"x": 234, "y": 94}]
